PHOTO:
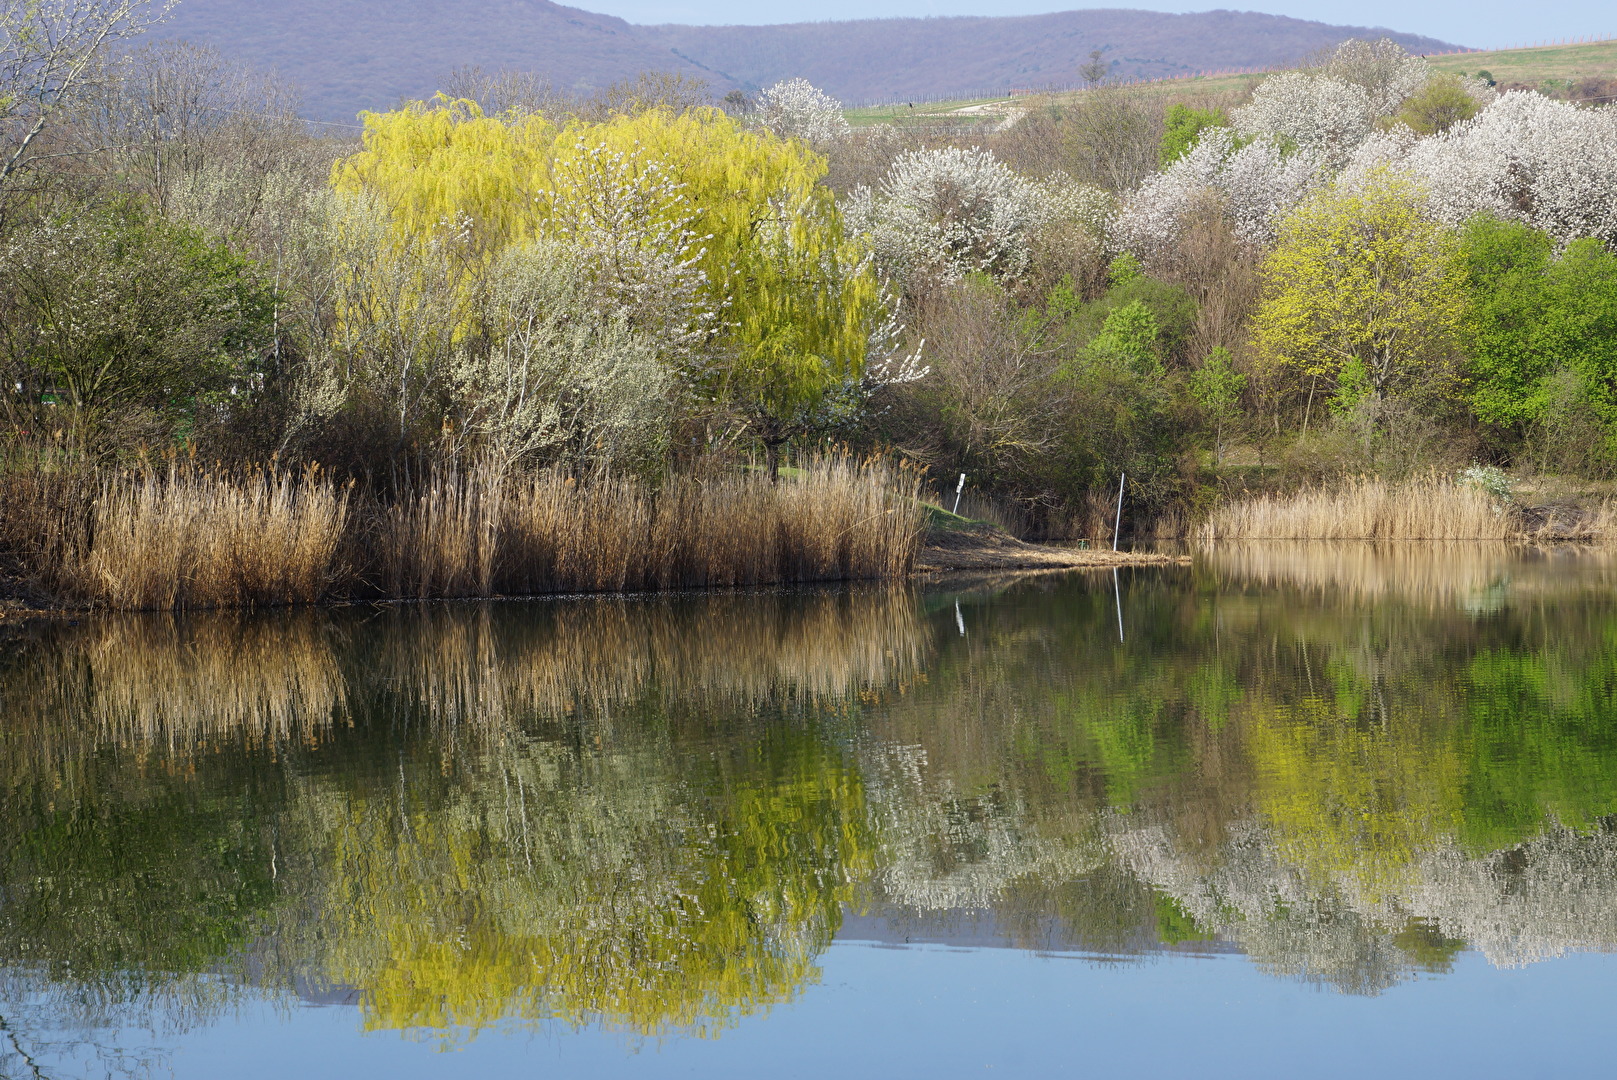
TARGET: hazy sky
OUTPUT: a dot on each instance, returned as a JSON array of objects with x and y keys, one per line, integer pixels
[{"x": 1478, "y": 23}]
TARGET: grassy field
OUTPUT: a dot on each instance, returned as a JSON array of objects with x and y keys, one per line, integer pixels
[
  {"x": 1533, "y": 66},
  {"x": 1596, "y": 59},
  {"x": 903, "y": 112}
]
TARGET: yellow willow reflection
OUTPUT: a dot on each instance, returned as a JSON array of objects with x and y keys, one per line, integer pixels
[{"x": 595, "y": 887}]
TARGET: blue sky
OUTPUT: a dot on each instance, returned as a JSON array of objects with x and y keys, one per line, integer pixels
[{"x": 1478, "y": 23}]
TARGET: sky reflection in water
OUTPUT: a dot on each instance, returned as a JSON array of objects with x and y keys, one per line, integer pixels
[{"x": 1324, "y": 809}]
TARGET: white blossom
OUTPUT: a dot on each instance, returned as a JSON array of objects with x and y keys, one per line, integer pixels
[
  {"x": 1548, "y": 163},
  {"x": 949, "y": 212},
  {"x": 794, "y": 108},
  {"x": 1319, "y": 114},
  {"x": 1386, "y": 73},
  {"x": 628, "y": 222},
  {"x": 1331, "y": 110},
  {"x": 1254, "y": 186},
  {"x": 1069, "y": 202}
]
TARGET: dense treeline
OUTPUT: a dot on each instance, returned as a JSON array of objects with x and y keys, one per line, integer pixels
[{"x": 1366, "y": 267}]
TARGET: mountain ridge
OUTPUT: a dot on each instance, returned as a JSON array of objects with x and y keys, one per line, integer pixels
[{"x": 349, "y": 55}]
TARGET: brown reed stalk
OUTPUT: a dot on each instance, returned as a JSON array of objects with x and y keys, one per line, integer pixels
[
  {"x": 1367, "y": 508},
  {"x": 472, "y": 532},
  {"x": 188, "y": 538}
]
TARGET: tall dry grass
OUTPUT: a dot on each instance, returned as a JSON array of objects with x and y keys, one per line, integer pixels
[
  {"x": 1367, "y": 508},
  {"x": 190, "y": 539},
  {"x": 468, "y": 533},
  {"x": 173, "y": 538},
  {"x": 185, "y": 538}
]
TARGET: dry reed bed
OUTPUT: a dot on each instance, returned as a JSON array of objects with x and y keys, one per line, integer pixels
[
  {"x": 470, "y": 534},
  {"x": 187, "y": 539},
  {"x": 1368, "y": 508}
]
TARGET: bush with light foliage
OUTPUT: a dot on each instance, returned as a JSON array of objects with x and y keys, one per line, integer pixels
[
  {"x": 945, "y": 213},
  {"x": 795, "y": 108}
]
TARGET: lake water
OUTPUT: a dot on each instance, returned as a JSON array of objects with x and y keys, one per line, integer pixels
[{"x": 1288, "y": 811}]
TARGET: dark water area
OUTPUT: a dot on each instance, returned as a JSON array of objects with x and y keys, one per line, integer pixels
[{"x": 1288, "y": 811}]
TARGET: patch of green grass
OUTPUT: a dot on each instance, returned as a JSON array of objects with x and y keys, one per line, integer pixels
[
  {"x": 937, "y": 519},
  {"x": 901, "y": 112}
]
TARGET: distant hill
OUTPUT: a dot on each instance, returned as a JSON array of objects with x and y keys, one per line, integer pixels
[
  {"x": 349, "y": 55},
  {"x": 894, "y": 59}
]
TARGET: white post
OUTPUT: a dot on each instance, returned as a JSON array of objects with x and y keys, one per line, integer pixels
[
  {"x": 958, "y": 488},
  {"x": 1117, "y": 526}
]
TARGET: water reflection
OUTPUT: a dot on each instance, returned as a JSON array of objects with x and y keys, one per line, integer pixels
[{"x": 655, "y": 815}]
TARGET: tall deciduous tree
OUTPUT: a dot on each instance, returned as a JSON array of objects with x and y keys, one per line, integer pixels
[
  {"x": 51, "y": 55},
  {"x": 788, "y": 305},
  {"x": 1361, "y": 292}
]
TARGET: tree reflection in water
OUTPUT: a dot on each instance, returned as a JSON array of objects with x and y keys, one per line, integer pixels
[{"x": 654, "y": 815}]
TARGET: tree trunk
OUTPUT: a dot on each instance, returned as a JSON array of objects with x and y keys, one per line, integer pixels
[{"x": 772, "y": 456}]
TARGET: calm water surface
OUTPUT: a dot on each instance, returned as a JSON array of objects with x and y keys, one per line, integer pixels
[{"x": 1327, "y": 812}]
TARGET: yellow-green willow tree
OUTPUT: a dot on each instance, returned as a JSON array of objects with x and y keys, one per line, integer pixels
[{"x": 782, "y": 303}]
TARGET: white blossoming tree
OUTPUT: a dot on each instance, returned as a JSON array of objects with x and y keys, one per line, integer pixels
[
  {"x": 1253, "y": 185},
  {"x": 1072, "y": 204},
  {"x": 628, "y": 222},
  {"x": 1319, "y": 114},
  {"x": 794, "y": 108},
  {"x": 1525, "y": 156},
  {"x": 949, "y": 212},
  {"x": 1331, "y": 109},
  {"x": 1382, "y": 69}
]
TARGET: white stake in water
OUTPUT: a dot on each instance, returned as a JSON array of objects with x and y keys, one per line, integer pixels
[
  {"x": 958, "y": 488},
  {"x": 1117, "y": 598},
  {"x": 1118, "y": 524},
  {"x": 959, "y": 620}
]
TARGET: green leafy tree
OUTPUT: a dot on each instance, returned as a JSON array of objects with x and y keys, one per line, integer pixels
[
  {"x": 117, "y": 310},
  {"x": 1129, "y": 337},
  {"x": 1217, "y": 388},
  {"x": 1538, "y": 324},
  {"x": 1183, "y": 125}
]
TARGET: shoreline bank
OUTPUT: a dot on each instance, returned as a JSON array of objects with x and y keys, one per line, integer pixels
[{"x": 975, "y": 548}]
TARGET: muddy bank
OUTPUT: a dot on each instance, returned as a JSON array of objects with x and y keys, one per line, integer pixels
[{"x": 979, "y": 546}]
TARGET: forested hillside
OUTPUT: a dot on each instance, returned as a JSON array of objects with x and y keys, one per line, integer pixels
[
  {"x": 897, "y": 59},
  {"x": 348, "y": 55}
]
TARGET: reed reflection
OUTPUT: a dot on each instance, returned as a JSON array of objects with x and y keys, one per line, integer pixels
[{"x": 655, "y": 814}]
